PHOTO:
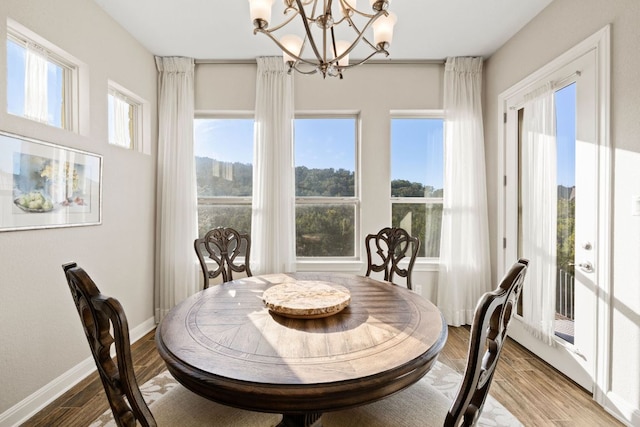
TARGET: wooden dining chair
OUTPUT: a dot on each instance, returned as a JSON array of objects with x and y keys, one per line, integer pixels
[
  {"x": 387, "y": 248},
  {"x": 223, "y": 245},
  {"x": 422, "y": 405},
  {"x": 105, "y": 324}
]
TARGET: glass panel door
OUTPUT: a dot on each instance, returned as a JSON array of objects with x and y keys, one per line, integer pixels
[
  {"x": 565, "y": 100},
  {"x": 571, "y": 269}
]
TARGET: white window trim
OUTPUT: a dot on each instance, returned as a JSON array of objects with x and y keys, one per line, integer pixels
[
  {"x": 76, "y": 79},
  {"x": 422, "y": 263},
  {"x": 350, "y": 263},
  {"x": 223, "y": 200},
  {"x": 141, "y": 117}
]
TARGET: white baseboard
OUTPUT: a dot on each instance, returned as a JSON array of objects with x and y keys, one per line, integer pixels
[
  {"x": 622, "y": 410},
  {"x": 29, "y": 406}
]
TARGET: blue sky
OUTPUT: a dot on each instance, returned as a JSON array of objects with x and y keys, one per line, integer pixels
[
  {"x": 416, "y": 144},
  {"x": 566, "y": 134},
  {"x": 328, "y": 146},
  {"x": 329, "y": 143},
  {"x": 326, "y": 143},
  {"x": 15, "y": 91},
  {"x": 224, "y": 140},
  {"x": 416, "y": 151}
]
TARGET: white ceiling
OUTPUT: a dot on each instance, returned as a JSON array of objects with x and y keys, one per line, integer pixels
[{"x": 222, "y": 30}]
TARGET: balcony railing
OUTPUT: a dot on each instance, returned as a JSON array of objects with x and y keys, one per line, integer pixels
[{"x": 565, "y": 295}]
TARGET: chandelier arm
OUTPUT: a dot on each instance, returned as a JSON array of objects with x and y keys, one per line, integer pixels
[
  {"x": 281, "y": 46},
  {"x": 336, "y": 23},
  {"x": 370, "y": 15},
  {"x": 273, "y": 29},
  {"x": 313, "y": 17},
  {"x": 345, "y": 12},
  {"x": 365, "y": 59},
  {"x": 372, "y": 46},
  {"x": 308, "y": 31},
  {"x": 361, "y": 33},
  {"x": 287, "y": 51},
  {"x": 372, "y": 19},
  {"x": 328, "y": 12},
  {"x": 324, "y": 20},
  {"x": 359, "y": 38},
  {"x": 336, "y": 59},
  {"x": 301, "y": 71}
]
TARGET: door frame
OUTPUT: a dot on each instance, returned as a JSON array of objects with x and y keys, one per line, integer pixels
[{"x": 507, "y": 171}]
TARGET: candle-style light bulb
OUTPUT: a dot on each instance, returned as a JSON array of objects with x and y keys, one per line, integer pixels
[
  {"x": 293, "y": 44},
  {"x": 341, "y": 47},
  {"x": 383, "y": 30},
  {"x": 260, "y": 12}
]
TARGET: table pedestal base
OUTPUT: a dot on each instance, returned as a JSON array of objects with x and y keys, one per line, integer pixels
[{"x": 301, "y": 420}]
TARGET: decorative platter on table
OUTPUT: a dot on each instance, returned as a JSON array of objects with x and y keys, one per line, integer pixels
[{"x": 306, "y": 299}]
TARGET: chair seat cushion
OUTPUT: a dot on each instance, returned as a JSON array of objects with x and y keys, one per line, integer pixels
[
  {"x": 173, "y": 405},
  {"x": 181, "y": 407},
  {"x": 418, "y": 405}
]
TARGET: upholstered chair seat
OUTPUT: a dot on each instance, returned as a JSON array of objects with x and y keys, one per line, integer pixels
[
  {"x": 181, "y": 407},
  {"x": 105, "y": 326},
  {"x": 422, "y": 405},
  {"x": 418, "y": 405}
]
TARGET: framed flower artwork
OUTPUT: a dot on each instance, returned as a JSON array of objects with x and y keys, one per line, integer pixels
[{"x": 43, "y": 185}]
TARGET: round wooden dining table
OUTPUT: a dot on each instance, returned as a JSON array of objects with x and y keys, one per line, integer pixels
[{"x": 223, "y": 343}]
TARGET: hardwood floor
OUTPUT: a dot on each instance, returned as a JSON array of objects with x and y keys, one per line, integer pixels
[{"x": 528, "y": 387}]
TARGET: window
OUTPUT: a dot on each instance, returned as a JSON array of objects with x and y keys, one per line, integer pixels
[
  {"x": 125, "y": 118},
  {"x": 39, "y": 82},
  {"x": 325, "y": 184},
  {"x": 417, "y": 179},
  {"x": 223, "y": 149}
]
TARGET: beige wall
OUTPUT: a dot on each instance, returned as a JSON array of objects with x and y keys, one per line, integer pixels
[
  {"x": 40, "y": 334},
  {"x": 562, "y": 25},
  {"x": 372, "y": 91}
]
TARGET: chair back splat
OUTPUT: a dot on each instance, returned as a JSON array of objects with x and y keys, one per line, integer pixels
[
  {"x": 99, "y": 315},
  {"x": 387, "y": 248},
  {"x": 176, "y": 405},
  {"x": 488, "y": 334},
  {"x": 423, "y": 404},
  {"x": 223, "y": 245}
]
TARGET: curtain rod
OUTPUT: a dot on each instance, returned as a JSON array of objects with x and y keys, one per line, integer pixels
[
  {"x": 557, "y": 84},
  {"x": 372, "y": 61}
]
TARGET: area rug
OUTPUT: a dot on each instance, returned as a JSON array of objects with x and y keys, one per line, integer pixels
[{"x": 441, "y": 377}]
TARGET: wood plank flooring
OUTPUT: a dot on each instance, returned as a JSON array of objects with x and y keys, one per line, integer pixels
[{"x": 528, "y": 387}]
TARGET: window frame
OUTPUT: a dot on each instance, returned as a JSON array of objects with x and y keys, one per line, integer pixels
[
  {"x": 139, "y": 118},
  {"x": 209, "y": 201},
  {"x": 22, "y": 36},
  {"x": 354, "y": 200},
  {"x": 425, "y": 201}
]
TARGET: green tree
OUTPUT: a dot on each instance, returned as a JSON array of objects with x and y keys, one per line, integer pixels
[{"x": 321, "y": 230}]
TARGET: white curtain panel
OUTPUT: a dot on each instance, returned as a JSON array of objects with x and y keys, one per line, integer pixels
[
  {"x": 465, "y": 270},
  {"x": 35, "y": 85},
  {"x": 121, "y": 135},
  {"x": 539, "y": 203},
  {"x": 176, "y": 198},
  {"x": 273, "y": 215}
]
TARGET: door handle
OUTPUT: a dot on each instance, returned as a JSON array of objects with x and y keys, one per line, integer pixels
[{"x": 586, "y": 266}]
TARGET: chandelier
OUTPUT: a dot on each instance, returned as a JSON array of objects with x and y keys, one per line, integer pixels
[{"x": 329, "y": 54}]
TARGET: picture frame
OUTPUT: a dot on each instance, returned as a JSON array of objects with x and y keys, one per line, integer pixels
[{"x": 44, "y": 185}]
